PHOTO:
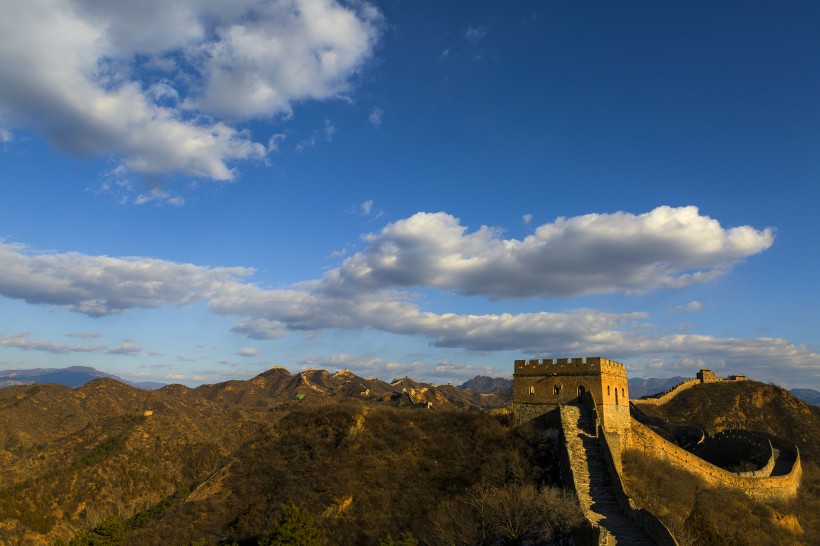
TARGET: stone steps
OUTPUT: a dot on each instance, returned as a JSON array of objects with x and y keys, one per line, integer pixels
[{"x": 592, "y": 481}]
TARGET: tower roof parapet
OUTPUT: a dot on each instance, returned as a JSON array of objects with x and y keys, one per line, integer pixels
[{"x": 550, "y": 366}]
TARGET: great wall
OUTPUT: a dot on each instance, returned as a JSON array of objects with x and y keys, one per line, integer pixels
[{"x": 589, "y": 400}]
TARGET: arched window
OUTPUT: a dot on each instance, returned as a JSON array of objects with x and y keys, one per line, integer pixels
[
  {"x": 581, "y": 392},
  {"x": 607, "y": 391},
  {"x": 532, "y": 389},
  {"x": 556, "y": 390},
  {"x": 616, "y": 397},
  {"x": 622, "y": 392}
]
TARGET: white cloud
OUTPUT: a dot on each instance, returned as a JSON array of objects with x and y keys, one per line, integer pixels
[
  {"x": 248, "y": 352},
  {"x": 691, "y": 307},
  {"x": 84, "y": 335},
  {"x": 366, "y": 207},
  {"x": 527, "y": 218},
  {"x": 330, "y": 130},
  {"x": 664, "y": 248},
  {"x": 274, "y": 140},
  {"x": 475, "y": 34},
  {"x": 387, "y": 370},
  {"x": 595, "y": 253},
  {"x": 764, "y": 359},
  {"x": 25, "y": 342},
  {"x": 103, "y": 78},
  {"x": 159, "y": 195},
  {"x": 305, "y": 144},
  {"x": 375, "y": 116},
  {"x": 99, "y": 285},
  {"x": 126, "y": 348}
]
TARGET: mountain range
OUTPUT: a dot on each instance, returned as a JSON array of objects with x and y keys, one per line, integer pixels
[
  {"x": 76, "y": 376},
  {"x": 217, "y": 463}
]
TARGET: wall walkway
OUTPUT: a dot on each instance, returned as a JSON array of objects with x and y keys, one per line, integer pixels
[
  {"x": 592, "y": 483},
  {"x": 666, "y": 396}
]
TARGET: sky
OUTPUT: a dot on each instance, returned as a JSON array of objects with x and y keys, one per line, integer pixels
[{"x": 200, "y": 190}]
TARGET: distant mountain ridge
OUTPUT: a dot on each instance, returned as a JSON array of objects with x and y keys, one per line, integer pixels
[
  {"x": 77, "y": 376},
  {"x": 809, "y": 396},
  {"x": 73, "y": 376},
  {"x": 638, "y": 387},
  {"x": 503, "y": 387},
  {"x": 499, "y": 386}
]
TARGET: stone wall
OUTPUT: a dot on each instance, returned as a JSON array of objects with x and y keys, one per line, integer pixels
[
  {"x": 545, "y": 414},
  {"x": 729, "y": 447},
  {"x": 703, "y": 376},
  {"x": 668, "y": 395},
  {"x": 644, "y": 440}
]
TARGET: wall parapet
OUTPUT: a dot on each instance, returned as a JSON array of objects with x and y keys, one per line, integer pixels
[
  {"x": 722, "y": 449},
  {"x": 644, "y": 439},
  {"x": 566, "y": 366},
  {"x": 667, "y": 395},
  {"x": 648, "y": 521}
]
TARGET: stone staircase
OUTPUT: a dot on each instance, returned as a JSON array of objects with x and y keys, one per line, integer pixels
[{"x": 592, "y": 481}]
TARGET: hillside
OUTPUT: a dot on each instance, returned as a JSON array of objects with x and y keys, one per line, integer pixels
[
  {"x": 748, "y": 405},
  {"x": 714, "y": 516},
  {"x": 364, "y": 457},
  {"x": 70, "y": 457}
]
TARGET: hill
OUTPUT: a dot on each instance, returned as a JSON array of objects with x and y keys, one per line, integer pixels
[
  {"x": 810, "y": 396},
  {"x": 746, "y": 405},
  {"x": 74, "y": 376},
  {"x": 714, "y": 516},
  {"x": 70, "y": 457},
  {"x": 364, "y": 457}
]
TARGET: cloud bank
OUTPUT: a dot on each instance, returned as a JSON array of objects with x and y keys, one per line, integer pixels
[
  {"x": 667, "y": 248},
  {"x": 590, "y": 254},
  {"x": 162, "y": 85}
]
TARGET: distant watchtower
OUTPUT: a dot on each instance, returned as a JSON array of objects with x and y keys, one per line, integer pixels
[{"x": 543, "y": 383}]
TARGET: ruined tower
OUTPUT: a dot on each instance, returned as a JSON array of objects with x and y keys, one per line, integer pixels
[{"x": 541, "y": 385}]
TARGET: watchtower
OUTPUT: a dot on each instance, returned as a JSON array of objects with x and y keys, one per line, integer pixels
[{"x": 550, "y": 382}]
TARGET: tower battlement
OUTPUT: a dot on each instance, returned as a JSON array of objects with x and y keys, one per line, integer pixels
[{"x": 568, "y": 366}]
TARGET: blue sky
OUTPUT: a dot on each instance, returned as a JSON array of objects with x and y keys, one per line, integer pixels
[{"x": 197, "y": 193}]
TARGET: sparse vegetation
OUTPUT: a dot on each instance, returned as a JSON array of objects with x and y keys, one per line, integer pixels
[{"x": 216, "y": 466}]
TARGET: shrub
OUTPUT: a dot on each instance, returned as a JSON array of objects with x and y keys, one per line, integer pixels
[{"x": 294, "y": 527}]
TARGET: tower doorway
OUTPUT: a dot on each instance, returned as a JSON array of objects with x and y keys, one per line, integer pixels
[{"x": 581, "y": 391}]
